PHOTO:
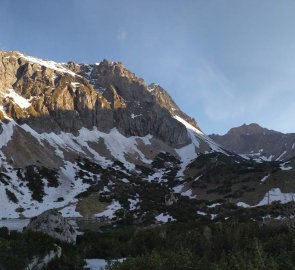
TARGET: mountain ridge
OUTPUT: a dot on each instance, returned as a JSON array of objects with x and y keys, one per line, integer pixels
[
  {"x": 95, "y": 141},
  {"x": 254, "y": 141}
]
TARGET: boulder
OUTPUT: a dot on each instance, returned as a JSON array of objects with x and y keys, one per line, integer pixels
[{"x": 54, "y": 224}]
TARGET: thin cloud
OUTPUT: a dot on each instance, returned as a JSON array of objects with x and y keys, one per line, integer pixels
[
  {"x": 270, "y": 105},
  {"x": 220, "y": 98},
  {"x": 122, "y": 35}
]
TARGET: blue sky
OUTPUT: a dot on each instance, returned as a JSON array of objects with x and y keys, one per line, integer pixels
[{"x": 225, "y": 62}]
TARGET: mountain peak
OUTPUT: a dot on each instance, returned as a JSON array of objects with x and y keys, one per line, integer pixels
[
  {"x": 250, "y": 129},
  {"x": 256, "y": 141}
]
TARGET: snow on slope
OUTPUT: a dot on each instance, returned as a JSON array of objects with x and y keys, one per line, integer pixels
[
  {"x": 188, "y": 152},
  {"x": 110, "y": 211},
  {"x": 275, "y": 194},
  {"x": 49, "y": 64},
  {"x": 69, "y": 187},
  {"x": 19, "y": 100},
  {"x": 116, "y": 143},
  {"x": 196, "y": 135},
  {"x": 7, "y": 132}
]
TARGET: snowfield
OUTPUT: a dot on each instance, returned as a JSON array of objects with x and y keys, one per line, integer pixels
[
  {"x": 68, "y": 188},
  {"x": 275, "y": 194}
]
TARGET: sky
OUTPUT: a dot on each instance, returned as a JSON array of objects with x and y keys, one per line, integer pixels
[{"x": 224, "y": 62}]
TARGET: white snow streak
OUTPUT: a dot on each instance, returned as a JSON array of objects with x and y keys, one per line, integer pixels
[{"x": 19, "y": 100}]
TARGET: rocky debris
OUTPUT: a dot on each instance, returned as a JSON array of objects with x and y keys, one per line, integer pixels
[
  {"x": 54, "y": 224},
  {"x": 170, "y": 199},
  {"x": 258, "y": 142}
]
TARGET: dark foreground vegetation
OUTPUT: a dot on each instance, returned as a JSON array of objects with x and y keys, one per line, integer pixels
[{"x": 220, "y": 245}]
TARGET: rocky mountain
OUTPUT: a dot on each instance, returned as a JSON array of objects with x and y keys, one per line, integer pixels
[
  {"x": 257, "y": 142},
  {"x": 96, "y": 142},
  {"x": 67, "y": 127}
]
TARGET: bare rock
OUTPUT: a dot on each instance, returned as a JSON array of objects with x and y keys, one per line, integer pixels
[{"x": 54, "y": 224}]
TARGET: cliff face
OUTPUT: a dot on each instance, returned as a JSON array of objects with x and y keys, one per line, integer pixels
[
  {"x": 162, "y": 97},
  {"x": 69, "y": 97}
]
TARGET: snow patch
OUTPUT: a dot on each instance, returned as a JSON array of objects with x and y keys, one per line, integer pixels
[
  {"x": 279, "y": 158},
  {"x": 213, "y": 205},
  {"x": 243, "y": 205},
  {"x": 164, "y": 218},
  {"x": 285, "y": 167},
  {"x": 275, "y": 194},
  {"x": 133, "y": 203},
  {"x": 49, "y": 64},
  {"x": 201, "y": 213},
  {"x": 70, "y": 211},
  {"x": 264, "y": 178},
  {"x": 187, "y": 154},
  {"x": 75, "y": 85},
  {"x": 134, "y": 116},
  {"x": 189, "y": 193},
  {"x": 110, "y": 210},
  {"x": 117, "y": 144},
  {"x": 7, "y": 132},
  {"x": 18, "y": 99},
  {"x": 100, "y": 264}
]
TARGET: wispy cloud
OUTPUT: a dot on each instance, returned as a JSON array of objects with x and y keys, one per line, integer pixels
[
  {"x": 223, "y": 102},
  {"x": 122, "y": 35}
]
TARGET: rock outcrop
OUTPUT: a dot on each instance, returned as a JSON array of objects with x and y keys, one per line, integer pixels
[{"x": 54, "y": 224}]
